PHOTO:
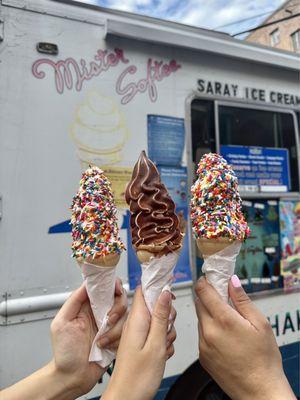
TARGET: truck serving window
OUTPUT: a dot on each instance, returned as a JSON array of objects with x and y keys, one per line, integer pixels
[{"x": 252, "y": 127}]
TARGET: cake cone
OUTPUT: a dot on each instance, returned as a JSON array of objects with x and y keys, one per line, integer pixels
[
  {"x": 208, "y": 247},
  {"x": 109, "y": 261},
  {"x": 145, "y": 253}
]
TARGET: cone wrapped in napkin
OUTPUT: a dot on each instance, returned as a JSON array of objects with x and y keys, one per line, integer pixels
[
  {"x": 97, "y": 247},
  {"x": 217, "y": 220},
  {"x": 155, "y": 228}
]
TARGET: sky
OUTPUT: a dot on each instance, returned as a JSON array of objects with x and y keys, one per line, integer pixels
[{"x": 211, "y": 14}]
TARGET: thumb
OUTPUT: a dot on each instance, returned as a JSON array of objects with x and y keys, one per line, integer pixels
[
  {"x": 242, "y": 303},
  {"x": 138, "y": 321},
  {"x": 160, "y": 317}
]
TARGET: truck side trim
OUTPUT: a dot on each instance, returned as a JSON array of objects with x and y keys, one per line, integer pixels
[{"x": 223, "y": 46}]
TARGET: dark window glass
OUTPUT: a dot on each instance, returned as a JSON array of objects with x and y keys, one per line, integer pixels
[
  {"x": 203, "y": 128},
  {"x": 248, "y": 127}
]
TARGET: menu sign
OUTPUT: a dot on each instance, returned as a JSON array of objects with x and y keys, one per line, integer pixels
[{"x": 259, "y": 169}]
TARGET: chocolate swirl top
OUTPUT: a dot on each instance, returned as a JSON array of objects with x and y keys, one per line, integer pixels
[{"x": 153, "y": 220}]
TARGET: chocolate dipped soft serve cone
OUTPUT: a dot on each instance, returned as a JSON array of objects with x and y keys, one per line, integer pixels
[
  {"x": 97, "y": 247},
  {"x": 218, "y": 223},
  {"x": 155, "y": 228}
]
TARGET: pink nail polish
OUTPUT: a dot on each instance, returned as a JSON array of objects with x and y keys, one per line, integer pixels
[{"x": 235, "y": 281}]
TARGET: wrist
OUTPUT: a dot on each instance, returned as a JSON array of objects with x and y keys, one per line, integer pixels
[
  {"x": 276, "y": 389},
  {"x": 115, "y": 392},
  {"x": 112, "y": 394},
  {"x": 282, "y": 390},
  {"x": 62, "y": 385}
]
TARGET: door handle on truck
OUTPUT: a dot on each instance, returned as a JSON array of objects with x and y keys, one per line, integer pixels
[{"x": 1, "y": 30}]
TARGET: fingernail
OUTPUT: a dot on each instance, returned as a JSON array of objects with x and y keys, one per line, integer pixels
[
  {"x": 112, "y": 319},
  {"x": 235, "y": 281},
  {"x": 170, "y": 326},
  {"x": 103, "y": 342},
  {"x": 165, "y": 298}
]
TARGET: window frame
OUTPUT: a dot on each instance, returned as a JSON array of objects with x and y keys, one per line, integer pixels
[
  {"x": 273, "y": 36},
  {"x": 239, "y": 103},
  {"x": 297, "y": 32}
]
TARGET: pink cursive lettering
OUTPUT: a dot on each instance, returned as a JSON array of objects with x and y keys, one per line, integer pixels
[
  {"x": 69, "y": 73},
  {"x": 156, "y": 72}
]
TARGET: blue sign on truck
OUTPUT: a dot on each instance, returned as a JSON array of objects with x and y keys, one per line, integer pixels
[{"x": 259, "y": 169}]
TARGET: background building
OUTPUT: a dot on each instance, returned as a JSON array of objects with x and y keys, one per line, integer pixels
[{"x": 285, "y": 34}]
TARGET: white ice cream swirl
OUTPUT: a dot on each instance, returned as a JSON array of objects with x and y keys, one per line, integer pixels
[{"x": 99, "y": 130}]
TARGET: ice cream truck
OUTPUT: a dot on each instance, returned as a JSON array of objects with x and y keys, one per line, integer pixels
[{"x": 81, "y": 85}]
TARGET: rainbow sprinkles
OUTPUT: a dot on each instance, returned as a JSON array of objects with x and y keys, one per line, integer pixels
[
  {"x": 216, "y": 206},
  {"x": 95, "y": 231}
]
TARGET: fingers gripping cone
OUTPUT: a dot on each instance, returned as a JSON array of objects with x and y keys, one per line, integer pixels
[
  {"x": 155, "y": 228},
  {"x": 97, "y": 247},
  {"x": 218, "y": 222}
]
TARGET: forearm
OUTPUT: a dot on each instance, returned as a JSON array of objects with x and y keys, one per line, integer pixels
[{"x": 44, "y": 384}]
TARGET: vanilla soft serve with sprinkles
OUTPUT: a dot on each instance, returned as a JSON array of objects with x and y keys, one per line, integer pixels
[
  {"x": 95, "y": 231},
  {"x": 216, "y": 206}
]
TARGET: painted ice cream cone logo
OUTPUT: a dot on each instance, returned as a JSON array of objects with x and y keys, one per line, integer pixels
[{"x": 99, "y": 131}]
